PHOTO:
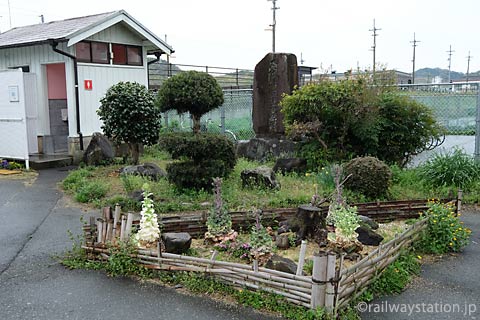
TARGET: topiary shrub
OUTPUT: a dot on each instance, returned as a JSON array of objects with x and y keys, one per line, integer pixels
[
  {"x": 202, "y": 157},
  {"x": 191, "y": 91},
  {"x": 369, "y": 176},
  {"x": 129, "y": 115}
]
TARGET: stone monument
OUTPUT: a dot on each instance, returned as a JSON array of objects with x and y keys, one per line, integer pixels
[{"x": 276, "y": 74}]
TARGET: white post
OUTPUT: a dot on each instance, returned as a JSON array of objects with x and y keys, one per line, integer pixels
[
  {"x": 301, "y": 258},
  {"x": 319, "y": 277}
]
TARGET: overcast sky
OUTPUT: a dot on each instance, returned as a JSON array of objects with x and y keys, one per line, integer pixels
[{"x": 229, "y": 33}]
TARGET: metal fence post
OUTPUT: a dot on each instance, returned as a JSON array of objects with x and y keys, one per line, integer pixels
[
  {"x": 222, "y": 119},
  {"x": 477, "y": 126}
]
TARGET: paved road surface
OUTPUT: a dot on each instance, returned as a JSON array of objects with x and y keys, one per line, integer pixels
[
  {"x": 448, "y": 289},
  {"x": 34, "y": 223}
]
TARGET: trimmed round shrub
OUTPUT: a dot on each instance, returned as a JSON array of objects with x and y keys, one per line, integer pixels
[
  {"x": 129, "y": 115},
  {"x": 191, "y": 91},
  {"x": 202, "y": 157},
  {"x": 369, "y": 176}
]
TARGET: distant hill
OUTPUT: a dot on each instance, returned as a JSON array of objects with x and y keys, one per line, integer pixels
[{"x": 430, "y": 73}]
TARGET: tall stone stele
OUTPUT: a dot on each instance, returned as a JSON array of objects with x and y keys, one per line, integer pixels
[{"x": 276, "y": 74}]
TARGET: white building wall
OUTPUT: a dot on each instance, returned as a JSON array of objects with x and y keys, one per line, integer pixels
[
  {"x": 118, "y": 33},
  {"x": 103, "y": 77},
  {"x": 36, "y": 57}
]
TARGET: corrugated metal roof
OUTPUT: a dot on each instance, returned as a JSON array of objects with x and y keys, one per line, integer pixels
[{"x": 58, "y": 30}]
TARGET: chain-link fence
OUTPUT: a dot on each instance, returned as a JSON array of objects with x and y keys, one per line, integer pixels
[
  {"x": 233, "y": 118},
  {"x": 454, "y": 105}
]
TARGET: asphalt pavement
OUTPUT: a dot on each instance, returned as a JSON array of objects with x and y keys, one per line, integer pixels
[
  {"x": 446, "y": 289},
  {"x": 33, "y": 285}
]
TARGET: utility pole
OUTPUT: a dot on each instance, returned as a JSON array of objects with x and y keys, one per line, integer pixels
[
  {"x": 9, "y": 14},
  {"x": 414, "y": 45},
  {"x": 274, "y": 22},
  {"x": 468, "y": 64},
  {"x": 374, "y": 34},
  {"x": 42, "y": 18},
  {"x": 301, "y": 58},
  {"x": 450, "y": 51}
]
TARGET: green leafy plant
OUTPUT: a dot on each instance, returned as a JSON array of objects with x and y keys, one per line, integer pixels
[
  {"x": 445, "y": 232},
  {"x": 369, "y": 176},
  {"x": 90, "y": 191},
  {"x": 202, "y": 158},
  {"x": 191, "y": 91},
  {"x": 345, "y": 219},
  {"x": 395, "y": 277},
  {"x": 455, "y": 169},
  {"x": 260, "y": 240},
  {"x": 405, "y": 128},
  {"x": 219, "y": 221},
  {"x": 129, "y": 115},
  {"x": 76, "y": 179},
  {"x": 121, "y": 262},
  {"x": 344, "y": 119}
]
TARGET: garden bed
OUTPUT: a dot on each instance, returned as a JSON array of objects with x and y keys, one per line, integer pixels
[{"x": 333, "y": 282}]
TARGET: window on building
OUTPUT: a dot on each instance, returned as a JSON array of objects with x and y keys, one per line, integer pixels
[
  {"x": 127, "y": 55},
  {"x": 100, "y": 52},
  {"x": 119, "y": 54},
  {"x": 83, "y": 52},
  {"x": 94, "y": 52},
  {"x": 134, "y": 55}
]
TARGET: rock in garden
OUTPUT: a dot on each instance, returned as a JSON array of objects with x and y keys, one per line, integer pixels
[
  {"x": 262, "y": 149},
  {"x": 368, "y": 221},
  {"x": 279, "y": 263},
  {"x": 99, "y": 150},
  {"x": 136, "y": 195},
  {"x": 282, "y": 241},
  {"x": 149, "y": 170},
  {"x": 261, "y": 177},
  {"x": 286, "y": 165},
  {"x": 367, "y": 236},
  {"x": 177, "y": 242}
]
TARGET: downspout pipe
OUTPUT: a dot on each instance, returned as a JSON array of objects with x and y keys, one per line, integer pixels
[
  {"x": 54, "y": 45},
  {"x": 157, "y": 55}
]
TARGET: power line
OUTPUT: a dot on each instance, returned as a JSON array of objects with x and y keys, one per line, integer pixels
[
  {"x": 274, "y": 22},
  {"x": 374, "y": 47},
  {"x": 450, "y": 51},
  {"x": 469, "y": 57},
  {"x": 414, "y": 45}
]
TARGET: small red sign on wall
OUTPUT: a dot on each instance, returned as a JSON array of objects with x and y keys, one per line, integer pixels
[{"x": 88, "y": 84}]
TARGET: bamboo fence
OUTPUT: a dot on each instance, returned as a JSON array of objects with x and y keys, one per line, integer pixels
[
  {"x": 195, "y": 222},
  {"x": 331, "y": 285}
]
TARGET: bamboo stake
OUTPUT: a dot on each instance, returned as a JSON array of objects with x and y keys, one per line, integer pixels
[
  {"x": 99, "y": 230},
  {"x": 319, "y": 276},
  {"x": 301, "y": 258},
  {"x": 107, "y": 213},
  {"x": 128, "y": 226},
  {"x": 330, "y": 290},
  {"x": 109, "y": 230},
  {"x": 255, "y": 266},
  {"x": 122, "y": 228},
  {"x": 116, "y": 220}
]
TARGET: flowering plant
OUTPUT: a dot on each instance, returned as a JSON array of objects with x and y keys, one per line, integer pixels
[
  {"x": 445, "y": 232},
  {"x": 149, "y": 228}
]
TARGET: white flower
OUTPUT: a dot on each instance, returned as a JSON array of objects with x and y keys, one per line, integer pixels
[{"x": 149, "y": 228}]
